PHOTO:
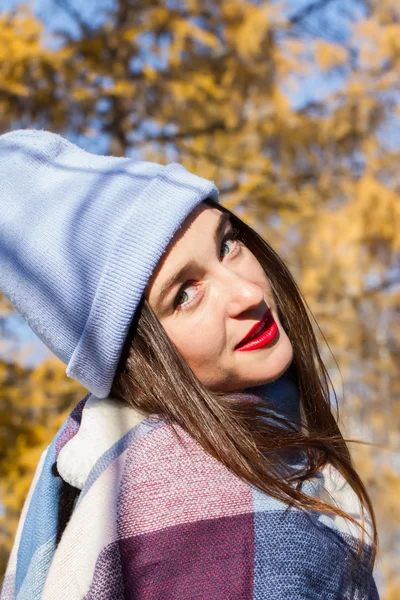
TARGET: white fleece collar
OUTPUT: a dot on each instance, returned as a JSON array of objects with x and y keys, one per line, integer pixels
[{"x": 104, "y": 422}]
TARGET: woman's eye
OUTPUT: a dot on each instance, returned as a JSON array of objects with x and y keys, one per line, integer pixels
[
  {"x": 188, "y": 292},
  {"x": 225, "y": 243},
  {"x": 184, "y": 294},
  {"x": 231, "y": 236}
]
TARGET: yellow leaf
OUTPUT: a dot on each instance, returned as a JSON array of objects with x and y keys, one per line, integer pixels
[{"x": 329, "y": 55}]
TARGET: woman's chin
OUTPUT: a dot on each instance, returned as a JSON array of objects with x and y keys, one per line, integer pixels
[{"x": 262, "y": 369}]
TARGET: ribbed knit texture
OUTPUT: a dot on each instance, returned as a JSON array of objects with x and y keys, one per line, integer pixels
[
  {"x": 80, "y": 235},
  {"x": 157, "y": 517}
]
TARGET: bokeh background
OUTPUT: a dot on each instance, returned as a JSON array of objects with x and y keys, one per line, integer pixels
[{"x": 293, "y": 109}]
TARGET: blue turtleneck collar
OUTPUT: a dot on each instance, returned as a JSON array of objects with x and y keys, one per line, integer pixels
[{"x": 281, "y": 395}]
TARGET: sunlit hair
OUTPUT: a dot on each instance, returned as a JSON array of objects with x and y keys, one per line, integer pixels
[{"x": 153, "y": 377}]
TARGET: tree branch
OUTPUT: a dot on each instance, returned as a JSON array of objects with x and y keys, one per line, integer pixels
[
  {"x": 74, "y": 14},
  {"x": 308, "y": 10}
]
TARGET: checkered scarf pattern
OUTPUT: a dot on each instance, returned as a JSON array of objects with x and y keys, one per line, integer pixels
[{"x": 158, "y": 518}]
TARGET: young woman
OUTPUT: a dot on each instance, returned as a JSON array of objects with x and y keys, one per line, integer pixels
[{"x": 205, "y": 462}]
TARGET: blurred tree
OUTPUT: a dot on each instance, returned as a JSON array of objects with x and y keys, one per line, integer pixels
[
  {"x": 227, "y": 89},
  {"x": 33, "y": 405}
]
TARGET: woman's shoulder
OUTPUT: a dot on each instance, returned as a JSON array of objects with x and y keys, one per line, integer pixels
[
  {"x": 163, "y": 461},
  {"x": 155, "y": 502}
]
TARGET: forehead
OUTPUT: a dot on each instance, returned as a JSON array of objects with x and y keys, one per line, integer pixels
[{"x": 199, "y": 225}]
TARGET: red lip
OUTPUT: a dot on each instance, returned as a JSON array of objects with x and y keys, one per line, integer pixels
[{"x": 252, "y": 330}]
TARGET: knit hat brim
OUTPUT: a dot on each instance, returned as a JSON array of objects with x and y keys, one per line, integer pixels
[{"x": 123, "y": 281}]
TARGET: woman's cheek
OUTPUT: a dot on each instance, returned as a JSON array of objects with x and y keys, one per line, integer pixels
[
  {"x": 184, "y": 338},
  {"x": 199, "y": 347}
]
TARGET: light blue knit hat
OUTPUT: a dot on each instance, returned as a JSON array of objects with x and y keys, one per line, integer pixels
[{"x": 80, "y": 235}]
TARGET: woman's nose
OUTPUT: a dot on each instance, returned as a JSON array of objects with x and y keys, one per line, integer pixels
[{"x": 243, "y": 295}]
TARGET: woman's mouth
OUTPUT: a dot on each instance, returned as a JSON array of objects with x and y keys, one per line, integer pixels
[{"x": 263, "y": 334}]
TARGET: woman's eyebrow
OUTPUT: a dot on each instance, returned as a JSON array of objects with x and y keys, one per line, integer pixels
[{"x": 184, "y": 270}]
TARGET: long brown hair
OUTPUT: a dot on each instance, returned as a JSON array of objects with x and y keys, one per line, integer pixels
[{"x": 153, "y": 377}]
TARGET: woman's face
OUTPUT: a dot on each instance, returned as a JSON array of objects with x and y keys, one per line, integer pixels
[{"x": 221, "y": 294}]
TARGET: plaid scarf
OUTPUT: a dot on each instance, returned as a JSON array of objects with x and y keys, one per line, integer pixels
[{"x": 158, "y": 518}]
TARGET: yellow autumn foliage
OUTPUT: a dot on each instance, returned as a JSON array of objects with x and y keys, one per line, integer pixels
[{"x": 330, "y": 55}]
